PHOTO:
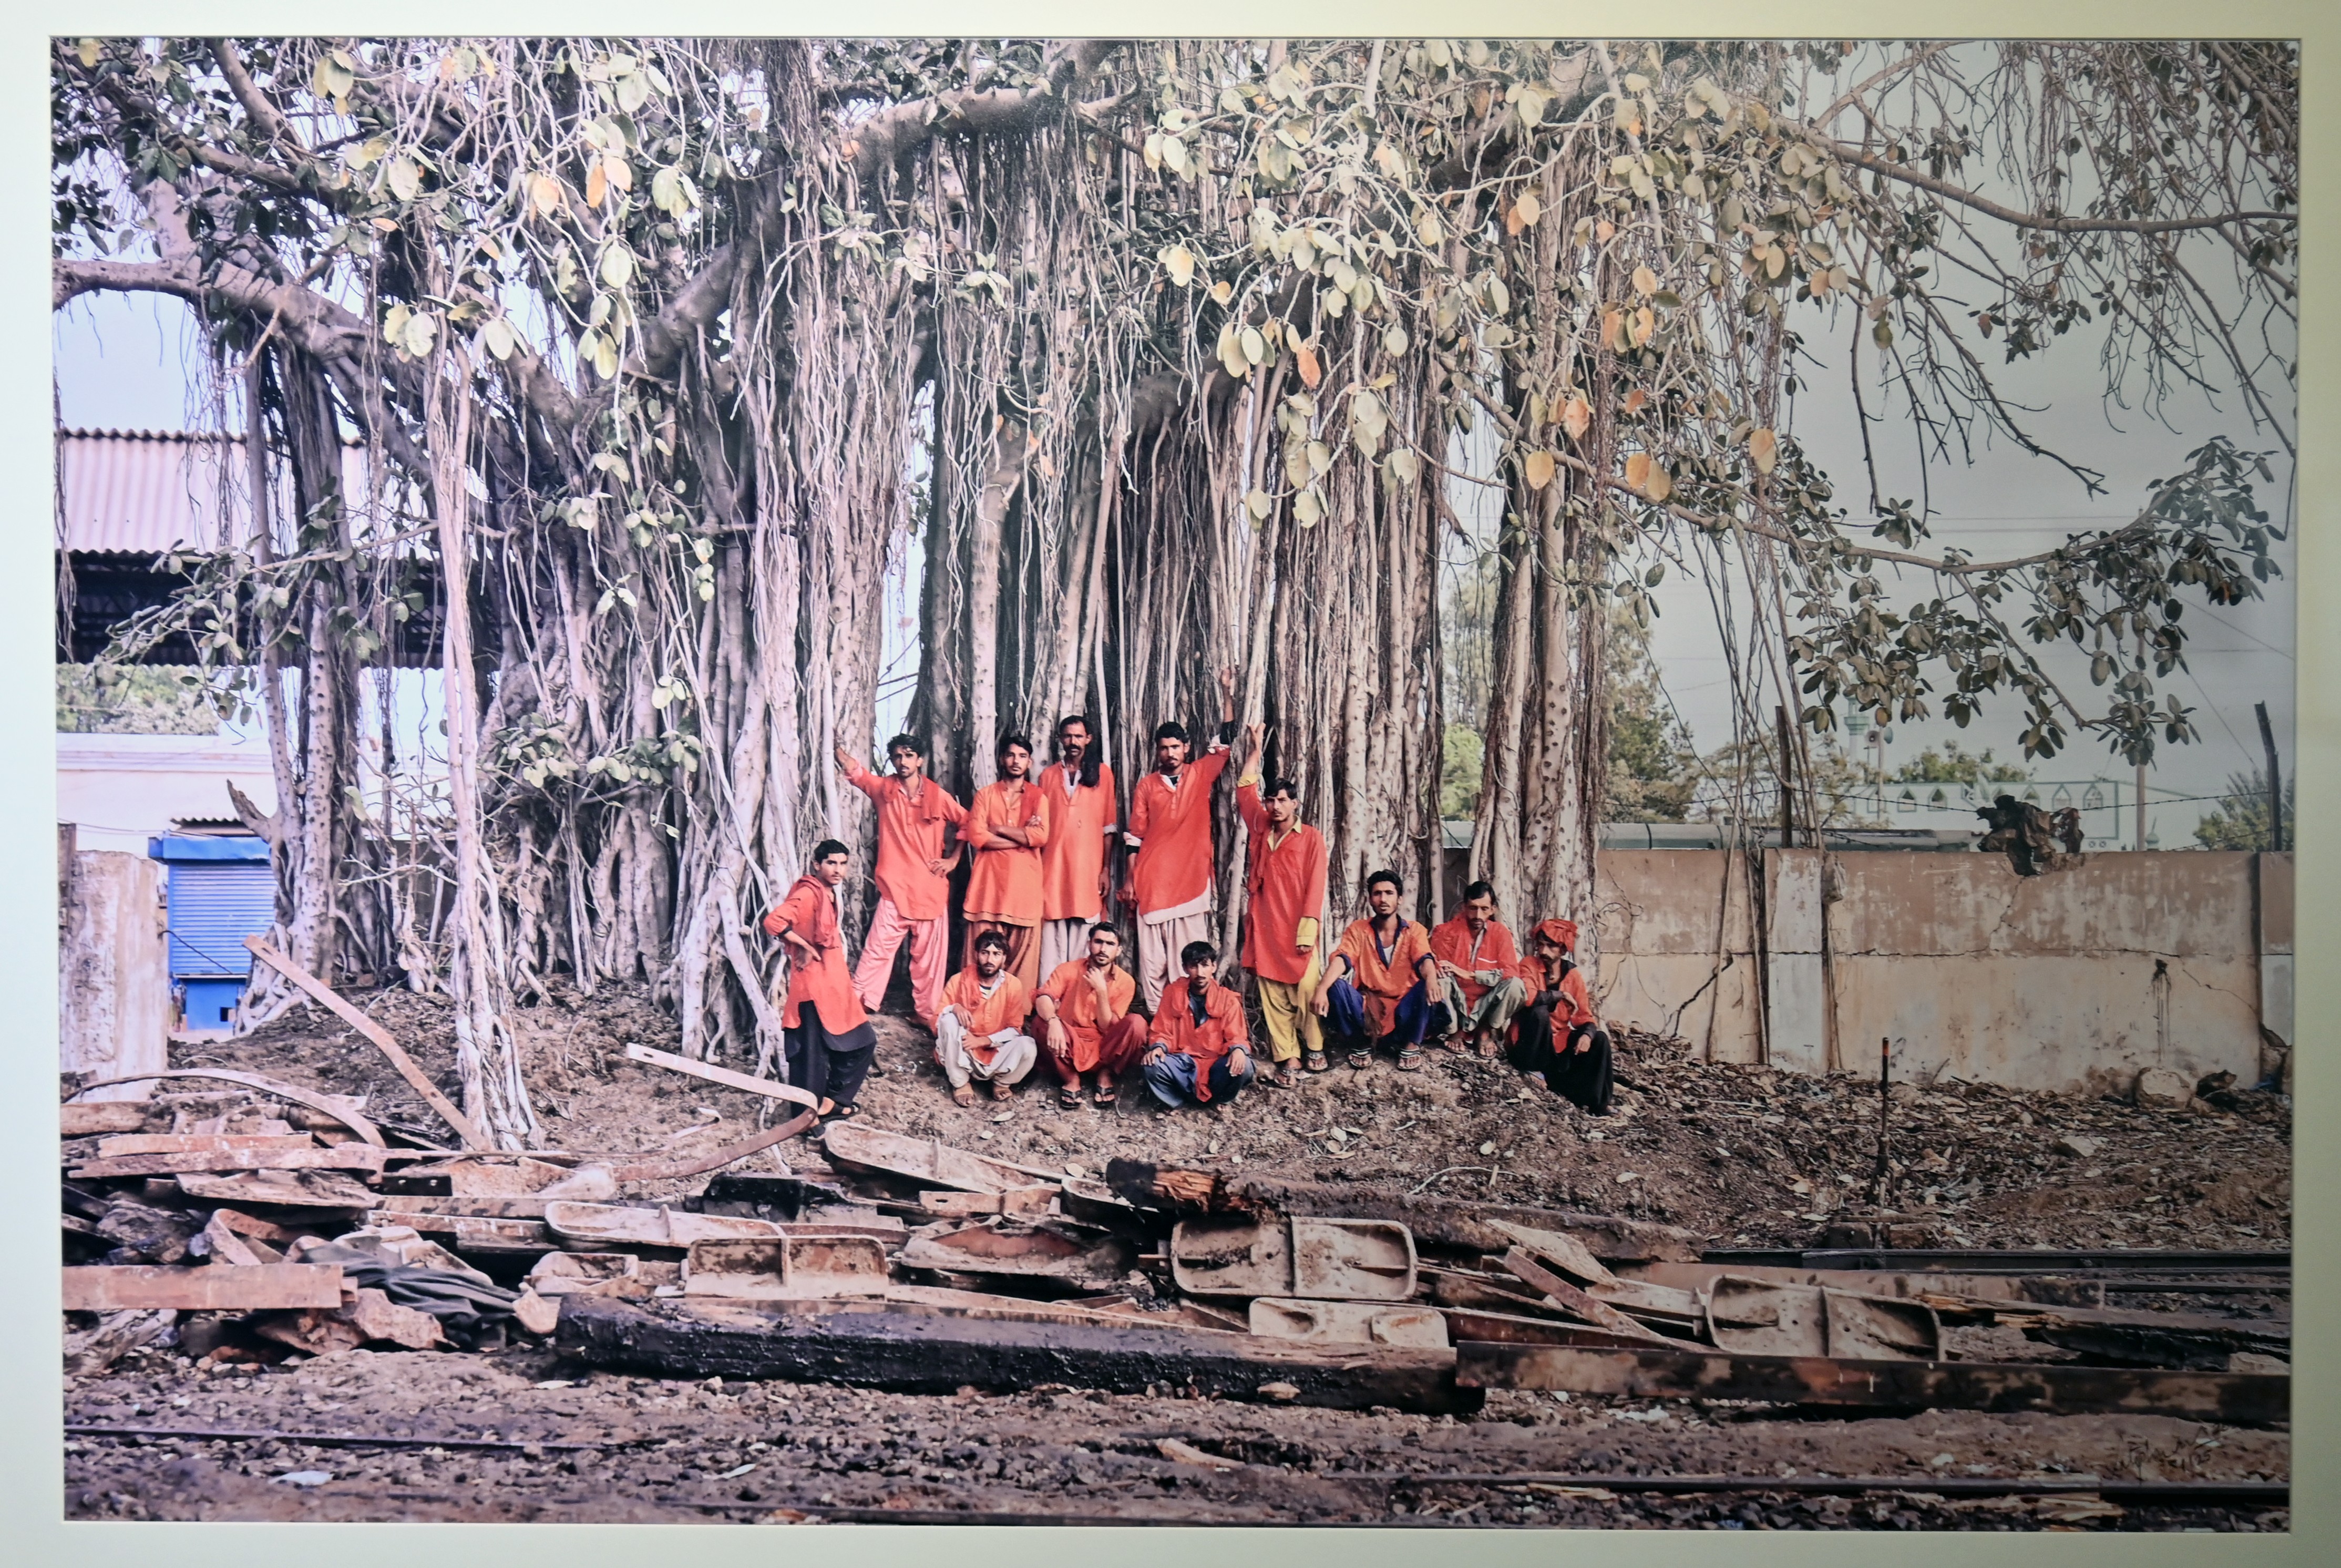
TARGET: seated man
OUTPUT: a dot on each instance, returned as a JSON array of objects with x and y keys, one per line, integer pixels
[
  {"x": 1559, "y": 1038},
  {"x": 1196, "y": 1054},
  {"x": 1389, "y": 998},
  {"x": 1086, "y": 1024},
  {"x": 980, "y": 1034},
  {"x": 1479, "y": 962}
]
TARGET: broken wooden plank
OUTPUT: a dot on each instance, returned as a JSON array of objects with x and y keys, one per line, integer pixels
[
  {"x": 281, "y": 1189},
  {"x": 346, "y": 1157},
  {"x": 1601, "y": 1314},
  {"x": 1561, "y": 1250},
  {"x": 326, "y": 1105},
  {"x": 248, "y": 1226},
  {"x": 938, "y": 1355},
  {"x": 214, "y": 1287},
  {"x": 1515, "y": 1328},
  {"x": 102, "y": 1116},
  {"x": 333, "y": 1002},
  {"x": 769, "y": 1088},
  {"x": 926, "y": 1160},
  {"x": 2051, "y": 1388},
  {"x": 673, "y": 1169},
  {"x": 228, "y": 1247},
  {"x": 198, "y": 1143}
]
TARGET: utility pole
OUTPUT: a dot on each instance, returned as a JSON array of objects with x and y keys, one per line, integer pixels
[
  {"x": 1787, "y": 815},
  {"x": 2141, "y": 807},
  {"x": 2274, "y": 780}
]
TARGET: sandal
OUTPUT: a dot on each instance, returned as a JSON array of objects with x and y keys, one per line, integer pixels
[
  {"x": 1105, "y": 1094},
  {"x": 1069, "y": 1097},
  {"x": 1286, "y": 1077},
  {"x": 1001, "y": 1090},
  {"x": 1410, "y": 1060},
  {"x": 1361, "y": 1060},
  {"x": 963, "y": 1096},
  {"x": 841, "y": 1114},
  {"x": 1315, "y": 1063}
]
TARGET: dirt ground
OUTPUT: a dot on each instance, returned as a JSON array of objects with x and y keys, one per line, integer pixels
[{"x": 1736, "y": 1156}]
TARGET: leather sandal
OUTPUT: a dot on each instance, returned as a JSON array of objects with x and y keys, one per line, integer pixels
[
  {"x": 1410, "y": 1060},
  {"x": 1361, "y": 1060},
  {"x": 964, "y": 1095},
  {"x": 1001, "y": 1090},
  {"x": 1069, "y": 1097},
  {"x": 1315, "y": 1063}
]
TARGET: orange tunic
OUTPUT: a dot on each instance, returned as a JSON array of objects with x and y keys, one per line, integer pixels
[
  {"x": 1382, "y": 983},
  {"x": 1073, "y": 863},
  {"x": 1174, "y": 829},
  {"x": 1005, "y": 883},
  {"x": 910, "y": 835},
  {"x": 1576, "y": 1004},
  {"x": 985, "y": 1017},
  {"x": 1452, "y": 942},
  {"x": 1221, "y": 1031},
  {"x": 1286, "y": 885},
  {"x": 1076, "y": 1005},
  {"x": 810, "y": 911}
]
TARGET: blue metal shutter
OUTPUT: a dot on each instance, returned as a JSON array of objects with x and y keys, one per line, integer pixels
[{"x": 213, "y": 907}]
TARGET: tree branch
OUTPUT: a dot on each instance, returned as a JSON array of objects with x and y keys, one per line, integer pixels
[{"x": 1905, "y": 174}]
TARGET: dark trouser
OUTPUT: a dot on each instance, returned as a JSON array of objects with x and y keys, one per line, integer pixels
[
  {"x": 831, "y": 1066},
  {"x": 1416, "y": 1015},
  {"x": 1172, "y": 1080},
  {"x": 1582, "y": 1076}
]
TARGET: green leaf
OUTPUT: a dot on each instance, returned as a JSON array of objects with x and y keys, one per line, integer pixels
[
  {"x": 393, "y": 325},
  {"x": 1259, "y": 504},
  {"x": 406, "y": 178},
  {"x": 617, "y": 267},
  {"x": 1255, "y": 348},
  {"x": 1403, "y": 466},
  {"x": 633, "y": 90},
  {"x": 605, "y": 358},
  {"x": 1884, "y": 333},
  {"x": 497, "y": 337}
]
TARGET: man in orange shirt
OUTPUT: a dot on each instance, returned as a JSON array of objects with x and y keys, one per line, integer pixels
[
  {"x": 1479, "y": 967},
  {"x": 1195, "y": 1053},
  {"x": 828, "y": 1038},
  {"x": 1082, "y": 821},
  {"x": 913, "y": 877},
  {"x": 1389, "y": 998},
  {"x": 1559, "y": 1037},
  {"x": 1086, "y": 1024},
  {"x": 1284, "y": 898},
  {"x": 980, "y": 1035},
  {"x": 1170, "y": 829},
  {"x": 1007, "y": 830}
]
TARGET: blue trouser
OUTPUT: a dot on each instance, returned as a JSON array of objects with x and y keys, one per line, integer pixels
[
  {"x": 1417, "y": 1015},
  {"x": 1172, "y": 1079}
]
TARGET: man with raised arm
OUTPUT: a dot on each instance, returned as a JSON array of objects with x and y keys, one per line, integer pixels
[
  {"x": 1479, "y": 965},
  {"x": 979, "y": 1035},
  {"x": 1086, "y": 1022},
  {"x": 1378, "y": 983},
  {"x": 913, "y": 877},
  {"x": 1195, "y": 1050},
  {"x": 1007, "y": 832},
  {"x": 1082, "y": 821},
  {"x": 1284, "y": 902},
  {"x": 829, "y": 1039},
  {"x": 1170, "y": 829}
]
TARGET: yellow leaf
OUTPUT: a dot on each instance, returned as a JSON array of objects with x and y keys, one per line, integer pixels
[
  {"x": 1223, "y": 291},
  {"x": 1638, "y": 470},
  {"x": 1181, "y": 263},
  {"x": 1646, "y": 282},
  {"x": 1765, "y": 448},
  {"x": 1426, "y": 226},
  {"x": 1612, "y": 319},
  {"x": 597, "y": 185},
  {"x": 1635, "y": 399},
  {"x": 89, "y": 52},
  {"x": 621, "y": 173},
  {"x": 544, "y": 194},
  {"x": 1644, "y": 324},
  {"x": 1661, "y": 485},
  {"x": 1539, "y": 469},
  {"x": 1603, "y": 230},
  {"x": 1576, "y": 416},
  {"x": 1306, "y": 357}
]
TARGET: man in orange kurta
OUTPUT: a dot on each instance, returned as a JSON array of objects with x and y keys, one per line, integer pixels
[
  {"x": 1171, "y": 828},
  {"x": 1086, "y": 1024},
  {"x": 828, "y": 1038},
  {"x": 1082, "y": 820},
  {"x": 1559, "y": 1037},
  {"x": 913, "y": 876},
  {"x": 1008, "y": 831},
  {"x": 1195, "y": 1052},
  {"x": 1284, "y": 901},
  {"x": 1378, "y": 983},
  {"x": 1478, "y": 963},
  {"x": 980, "y": 1034}
]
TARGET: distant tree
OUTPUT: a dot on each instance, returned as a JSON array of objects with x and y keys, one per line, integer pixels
[
  {"x": 1459, "y": 777},
  {"x": 1653, "y": 769},
  {"x": 131, "y": 700},
  {"x": 2240, "y": 820},
  {"x": 1953, "y": 766}
]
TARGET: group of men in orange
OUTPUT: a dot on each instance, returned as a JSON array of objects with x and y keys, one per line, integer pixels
[{"x": 1035, "y": 906}]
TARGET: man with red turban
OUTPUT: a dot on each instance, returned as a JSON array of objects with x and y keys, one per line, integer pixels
[{"x": 1560, "y": 1038}]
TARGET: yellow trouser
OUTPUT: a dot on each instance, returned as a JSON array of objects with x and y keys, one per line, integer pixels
[{"x": 1285, "y": 1014}]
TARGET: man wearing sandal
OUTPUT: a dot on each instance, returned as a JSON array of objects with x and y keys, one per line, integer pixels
[
  {"x": 1477, "y": 962},
  {"x": 1195, "y": 1053},
  {"x": 980, "y": 1034},
  {"x": 1086, "y": 1022},
  {"x": 1379, "y": 984},
  {"x": 1284, "y": 893},
  {"x": 827, "y": 1037}
]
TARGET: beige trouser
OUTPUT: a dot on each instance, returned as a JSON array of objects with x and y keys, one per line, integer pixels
[
  {"x": 1063, "y": 942},
  {"x": 1495, "y": 1010},
  {"x": 1158, "y": 952},
  {"x": 1286, "y": 1017},
  {"x": 1017, "y": 1053}
]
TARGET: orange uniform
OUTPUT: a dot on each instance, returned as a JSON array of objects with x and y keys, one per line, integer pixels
[
  {"x": 1576, "y": 1005},
  {"x": 1077, "y": 1006},
  {"x": 1220, "y": 1031},
  {"x": 1494, "y": 950},
  {"x": 1072, "y": 863},
  {"x": 811, "y": 912},
  {"x": 1173, "y": 826},
  {"x": 1383, "y": 979},
  {"x": 986, "y": 1016},
  {"x": 1005, "y": 883},
  {"x": 1284, "y": 886},
  {"x": 910, "y": 835}
]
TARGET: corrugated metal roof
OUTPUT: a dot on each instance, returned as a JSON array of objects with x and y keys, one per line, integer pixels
[{"x": 150, "y": 491}]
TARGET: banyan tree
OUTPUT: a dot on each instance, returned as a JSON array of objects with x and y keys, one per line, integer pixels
[{"x": 1143, "y": 361}]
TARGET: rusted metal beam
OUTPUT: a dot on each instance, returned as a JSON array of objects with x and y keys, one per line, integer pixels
[
  {"x": 2055, "y": 1389},
  {"x": 2006, "y": 1260},
  {"x": 214, "y": 1287}
]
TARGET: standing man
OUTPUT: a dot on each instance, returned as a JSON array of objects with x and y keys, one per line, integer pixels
[
  {"x": 913, "y": 877},
  {"x": 1284, "y": 900},
  {"x": 1378, "y": 983},
  {"x": 1559, "y": 1036},
  {"x": 827, "y": 1036},
  {"x": 1196, "y": 1052},
  {"x": 1007, "y": 831},
  {"x": 1082, "y": 820},
  {"x": 981, "y": 1032},
  {"x": 1086, "y": 1024},
  {"x": 1479, "y": 965},
  {"x": 1170, "y": 829}
]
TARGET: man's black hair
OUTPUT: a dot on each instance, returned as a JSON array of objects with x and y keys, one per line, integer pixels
[
  {"x": 1283, "y": 787},
  {"x": 1090, "y": 761},
  {"x": 984, "y": 939},
  {"x": 1381, "y": 876},
  {"x": 1479, "y": 890},
  {"x": 1015, "y": 738},
  {"x": 1198, "y": 953},
  {"x": 1106, "y": 926},
  {"x": 826, "y": 848},
  {"x": 906, "y": 743},
  {"x": 1171, "y": 729}
]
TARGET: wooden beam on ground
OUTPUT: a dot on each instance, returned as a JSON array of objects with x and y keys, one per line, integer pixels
[
  {"x": 1601, "y": 1314},
  {"x": 102, "y": 1116},
  {"x": 767, "y": 1087},
  {"x": 334, "y": 1002},
  {"x": 324, "y": 1104},
  {"x": 2051, "y": 1388},
  {"x": 924, "y": 1355},
  {"x": 198, "y": 1143},
  {"x": 214, "y": 1287},
  {"x": 341, "y": 1157},
  {"x": 674, "y": 1169}
]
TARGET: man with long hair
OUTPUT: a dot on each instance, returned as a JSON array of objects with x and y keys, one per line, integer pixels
[{"x": 1074, "y": 865}]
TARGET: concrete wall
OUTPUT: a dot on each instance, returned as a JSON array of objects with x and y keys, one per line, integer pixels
[
  {"x": 113, "y": 980},
  {"x": 121, "y": 790},
  {"x": 2075, "y": 978}
]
